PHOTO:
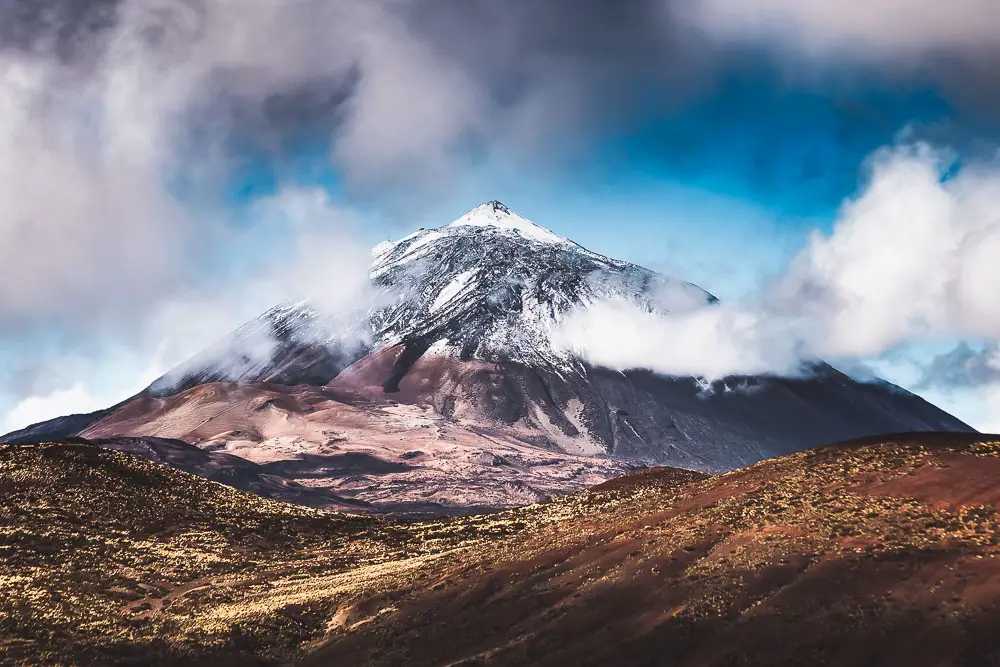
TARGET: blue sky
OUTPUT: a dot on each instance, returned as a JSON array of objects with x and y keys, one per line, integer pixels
[{"x": 707, "y": 140}]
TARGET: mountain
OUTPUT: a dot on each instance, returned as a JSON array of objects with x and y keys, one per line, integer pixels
[
  {"x": 56, "y": 429},
  {"x": 468, "y": 331},
  {"x": 458, "y": 347},
  {"x": 878, "y": 552},
  {"x": 491, "y": 286}
]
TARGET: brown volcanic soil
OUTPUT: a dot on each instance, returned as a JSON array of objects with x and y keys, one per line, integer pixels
[
  {"x": 377, "y": 453},
  {"x": 871, "y": 553}
]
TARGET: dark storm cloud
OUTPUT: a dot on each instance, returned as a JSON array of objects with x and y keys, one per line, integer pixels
[
  {"x": 398, "y": 85},
  {"x": 405, "y": 91},
  {"x": 615, "y": 56},
  {"x": 65, "y": 28},
  {"x": 954, "y": 44}
]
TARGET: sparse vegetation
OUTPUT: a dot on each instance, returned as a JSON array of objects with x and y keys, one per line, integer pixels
[{"x": 106, "y": 558}]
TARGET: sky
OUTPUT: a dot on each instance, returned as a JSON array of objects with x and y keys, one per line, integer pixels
[{"x": 172, "y": 168}]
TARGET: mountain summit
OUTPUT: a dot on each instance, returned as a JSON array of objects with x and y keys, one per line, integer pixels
[
  {"x": 495, "y": 214},
  {"x": 465, "y": 329},
  {"x": 491, "y": 286}
]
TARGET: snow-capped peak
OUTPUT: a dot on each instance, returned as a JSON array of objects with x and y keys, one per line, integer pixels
[
  {"x": 495, "y": 214},
  {"x": 495, "y": 285}
]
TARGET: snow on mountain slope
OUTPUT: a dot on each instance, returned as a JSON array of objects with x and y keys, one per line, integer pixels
[
  {"x": 495, "y": 285},
  {"x": 491, "y": 284}
]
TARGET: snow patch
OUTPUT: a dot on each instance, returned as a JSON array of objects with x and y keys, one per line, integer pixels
[
  {"x": 452, "y": 290},
  {"x": 411, "y": 245},
  {"x": 382, "y": 248},
  {"x": 411, "y": 253},
  {"x": 495, "y": 214}
]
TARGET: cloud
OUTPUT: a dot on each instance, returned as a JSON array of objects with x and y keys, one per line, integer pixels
[
  {"x": 947, "y": 49},
  {"x": 712, "y": 342},
  {"x": 121, "y": 124},
  {"x": 77, "y": 216},
  {"x": 137, "y": 114},
  {"x": 79, "y": 397},
  {"x": 889, "y": 28},
  {"x": 910, "y": 258},
  {"x": 317, "y": 258},
  {"x": 75, "y": 400},
  {"x": 963, "y": 367},
  {"x": 127, "y": 105},
  {"x": 327, "y": 264}
]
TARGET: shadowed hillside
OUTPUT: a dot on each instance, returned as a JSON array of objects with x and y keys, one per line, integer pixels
[{"x": 875, "y": 552}]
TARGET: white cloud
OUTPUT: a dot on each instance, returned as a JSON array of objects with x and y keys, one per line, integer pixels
[
  {"x": 911, "y": 258},
  {"x": 99, "y": 153},
  {"x": 711, "y": 341},
  {"x": 76, "y": 399},
  {"x": 79, "y": 211},
  {"x": 326, "y": 263},
  {"x": 908, "y": 258},
  {"x": 81, "y": 396},
  {"x": 410, "y": 111},
  {"x": 113, "y": 231},
  {"x": 317, "y": 257}
]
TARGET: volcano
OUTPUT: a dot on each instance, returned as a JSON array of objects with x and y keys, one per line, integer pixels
[{"x": 458, "y": 347}]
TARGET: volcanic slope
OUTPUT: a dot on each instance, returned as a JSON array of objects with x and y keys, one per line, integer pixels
[
  {"x": 385, "y": 456},
  {"x": 879, "y": 552},
  {"x": 464, "y": 327}
]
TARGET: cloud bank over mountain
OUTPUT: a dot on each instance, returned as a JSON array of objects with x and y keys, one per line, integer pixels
[
  {"x": 156, "y": 156},
  {"x": 912, "y": 257}
]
